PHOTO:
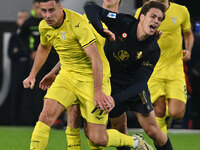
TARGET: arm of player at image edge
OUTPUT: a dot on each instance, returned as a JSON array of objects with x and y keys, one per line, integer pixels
[{"x": 189, "y": 41}]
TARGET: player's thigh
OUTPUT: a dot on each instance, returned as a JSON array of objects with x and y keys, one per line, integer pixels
[
  {"x": 85, "y": 93},
  {"x": 156, "y": 88},
  {"x": 62, "y": 90},
  {"x": 176, "y": 89}
]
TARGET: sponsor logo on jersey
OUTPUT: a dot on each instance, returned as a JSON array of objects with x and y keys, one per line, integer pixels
[
  {"x": 147, "y": 63},
  {"x": 112, "y": 15},
  {"x": 122, "y": 55}
]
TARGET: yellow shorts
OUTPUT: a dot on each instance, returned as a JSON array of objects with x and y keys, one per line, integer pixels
[
  {"x": 171, "y": 89},
  {"x": 68, "y": 91}
]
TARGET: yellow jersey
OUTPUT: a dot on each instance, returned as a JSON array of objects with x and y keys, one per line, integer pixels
[
  {"x": 100, "y": 42},
  {"x": 69, "y": 40},
  {"x": 170, "y": 64}
]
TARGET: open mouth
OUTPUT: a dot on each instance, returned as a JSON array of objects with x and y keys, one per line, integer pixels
[
  {"x": 152, "y": 27},
  {"x": 49, "y": 21}
]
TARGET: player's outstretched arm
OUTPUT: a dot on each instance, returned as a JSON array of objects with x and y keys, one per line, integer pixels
[
  {"x": 96, "y": 14},
  {"x": 41, "y": 56}
]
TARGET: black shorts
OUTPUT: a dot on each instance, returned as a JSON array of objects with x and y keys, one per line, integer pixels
[{"x": 141, "y": 104}]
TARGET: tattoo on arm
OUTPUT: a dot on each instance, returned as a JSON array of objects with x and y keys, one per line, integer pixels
[{"x": 57, "y": 68}]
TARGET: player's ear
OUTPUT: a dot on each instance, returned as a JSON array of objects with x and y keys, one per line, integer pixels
[
  {"x": 61, "y": 7},
  {"x": 141, "y": 17}
]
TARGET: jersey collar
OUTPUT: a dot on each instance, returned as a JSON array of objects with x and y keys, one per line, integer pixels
[{"x": 62, "y": 21}]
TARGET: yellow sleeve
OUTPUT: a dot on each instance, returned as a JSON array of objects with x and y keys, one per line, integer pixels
[
  {"x": 137, "y": 13},
  {"x": 83, "y": 33},
  {"x": 186, "y": 25},
  {"x": 43, "y": 39}
]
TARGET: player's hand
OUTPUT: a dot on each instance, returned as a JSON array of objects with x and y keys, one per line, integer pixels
[
  {"x": 158, "y": 34},
  {"x": 29, "y": 82},
  {"x": 47, "y": 81},
  {"x": 110, "y": 34},
  {"x": 186, "y": 55},
  {"x": 101, "y": 101},
  {"x": 112, "y": 103}
]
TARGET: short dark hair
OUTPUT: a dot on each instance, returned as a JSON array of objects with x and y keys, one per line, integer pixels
[
  {"x": 144, "y": 1},
  {"x": 153, "y": 4},
  {"x": 90, "y": 3},
  {"x": 57, "y": 1},
  {"x": 36, "y": 1}
]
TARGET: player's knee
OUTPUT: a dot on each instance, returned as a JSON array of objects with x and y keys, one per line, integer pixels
[
  {"x": 177, "y": 114},
  {"x": 99, "y": 140},
  {"x": 160, "y": 112}
]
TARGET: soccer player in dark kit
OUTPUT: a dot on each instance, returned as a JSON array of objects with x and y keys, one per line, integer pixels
[{"x": 132, "y": 57}]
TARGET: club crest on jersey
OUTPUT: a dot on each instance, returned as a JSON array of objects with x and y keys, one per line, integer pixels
[
  {"x": 174, "y": 19},
  {"x": 124, "y": 35},
  {"x": 139, "y": 55},
  {"x": 112, "y": 15},
  {"x": 63, "y": 35}
]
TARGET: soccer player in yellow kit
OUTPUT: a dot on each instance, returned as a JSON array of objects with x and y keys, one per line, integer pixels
[
  {"x": 80, "y": 78},
  {"x": 167, "y": 82},
  {"x": 73, "y": 112}
]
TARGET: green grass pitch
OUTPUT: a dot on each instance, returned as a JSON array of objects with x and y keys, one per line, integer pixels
[{"x": 18, "y": 138}]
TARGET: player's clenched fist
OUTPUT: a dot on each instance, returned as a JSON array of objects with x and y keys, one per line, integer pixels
[{"x": 29, "y": 82}]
